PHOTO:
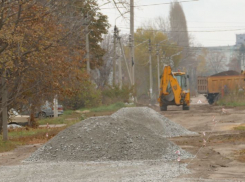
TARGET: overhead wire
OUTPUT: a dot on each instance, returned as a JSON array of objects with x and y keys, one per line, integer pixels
[
  {"x": 158, "y": 4},
  {"x": 209, "y": 31},
  {"x": 193, "y": 47}
]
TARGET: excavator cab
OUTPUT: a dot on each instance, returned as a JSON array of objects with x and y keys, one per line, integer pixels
[{"x": 182, "y": 80}]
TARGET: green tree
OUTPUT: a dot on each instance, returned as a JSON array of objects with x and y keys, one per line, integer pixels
[{"x": 98, "y": 26}]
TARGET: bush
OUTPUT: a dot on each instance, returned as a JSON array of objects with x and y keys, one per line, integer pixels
[
  {"x": 115, "y": 94},
  {"x": 111, "y": 107},
  {"x": 87, "y": 97}
]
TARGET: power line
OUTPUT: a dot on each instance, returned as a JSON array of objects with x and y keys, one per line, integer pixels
[
  {"x": 204, "y": 31},
  {"x": 228, "y": 22},
  {"x": 195, "y": 49},
  {"x": 164, "y": 3},
  {"x": 222, "y": 26},
  {"x": 144, "y": 5}
]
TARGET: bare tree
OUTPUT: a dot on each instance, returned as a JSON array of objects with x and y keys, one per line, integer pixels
[
  {"x": 234, "y": 64},
  {"x": 162, "y": 24},
  {"x": 216, "y": 62}
]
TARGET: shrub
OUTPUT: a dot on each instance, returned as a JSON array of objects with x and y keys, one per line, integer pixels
[
  {"x": 88, "y": 96},
  {"x": 115, "y": 94}
]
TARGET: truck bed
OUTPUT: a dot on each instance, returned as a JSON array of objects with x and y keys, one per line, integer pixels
[{"x": 226, "y": 81}]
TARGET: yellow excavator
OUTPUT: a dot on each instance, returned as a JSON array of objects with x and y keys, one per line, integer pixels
[{"x": 174, "y": 89}]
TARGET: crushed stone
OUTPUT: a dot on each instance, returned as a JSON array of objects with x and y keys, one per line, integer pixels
[
  {"x": 153, "y": 120},
  {"x": 135, "y": 171},
  {"x": 115, "y": 138}
]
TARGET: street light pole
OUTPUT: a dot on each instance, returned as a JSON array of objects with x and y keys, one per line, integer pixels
[{"x": 170, "y": 59}]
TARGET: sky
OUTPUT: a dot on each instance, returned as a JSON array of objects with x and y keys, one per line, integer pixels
[{"x": 210, "y": 22}]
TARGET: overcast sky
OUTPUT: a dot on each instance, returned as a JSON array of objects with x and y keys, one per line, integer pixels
[{"x": 221, "y": 19}]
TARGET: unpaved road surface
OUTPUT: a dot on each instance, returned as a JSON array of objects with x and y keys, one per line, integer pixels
[{"x": 221, "y": 159}]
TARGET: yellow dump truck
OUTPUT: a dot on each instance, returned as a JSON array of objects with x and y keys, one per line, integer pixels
[
  {"x": 174, "y": 89},
  {"x": 219, "y": 84}
]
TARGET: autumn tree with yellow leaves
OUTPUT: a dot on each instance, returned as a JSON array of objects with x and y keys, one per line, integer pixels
[{"x": 41, "y": 51}]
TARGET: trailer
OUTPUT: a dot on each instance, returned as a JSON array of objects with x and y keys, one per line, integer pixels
[{"x": 220, "y": 84}]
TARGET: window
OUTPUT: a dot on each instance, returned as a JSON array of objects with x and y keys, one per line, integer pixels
[{"x": 182, "y": 81}]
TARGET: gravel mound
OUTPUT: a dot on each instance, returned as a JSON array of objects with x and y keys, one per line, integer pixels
[
  {"x": 108, "y": 139},
  {"x": 153, "y": 120}
]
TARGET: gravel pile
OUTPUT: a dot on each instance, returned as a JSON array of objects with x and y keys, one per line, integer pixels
[
  {"x": 111, "y": 139},
  {"x": 135, "y": 171},
  {"x": 153, "y": 120}
]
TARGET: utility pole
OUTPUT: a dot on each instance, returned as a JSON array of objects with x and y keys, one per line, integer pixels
[
  {"x": 87, "y": 44},
  {"x": 119, "y": 65},
  {"x": 158, "y": 71},
  {"x": 4, "y": 107},
  {"x": 130, "y": 57},
  {"x": 114, "y": 55},
  {"x": 124, "y": 57},
  {"x": 132, "y": 39},
  {"x": 120, "y": 72},
  {"x": 150, "y": 67}
]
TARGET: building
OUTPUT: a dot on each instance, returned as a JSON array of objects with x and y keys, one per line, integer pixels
[
  {"x": 240, "y": 39},
  {"x": 229, "y": 52}
]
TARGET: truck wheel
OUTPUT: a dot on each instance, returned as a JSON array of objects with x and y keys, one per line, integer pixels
[
  {"x": 186, "y": 107},
  {"x": 163, "y": 108},
  {"x": 210, "y": 101}
]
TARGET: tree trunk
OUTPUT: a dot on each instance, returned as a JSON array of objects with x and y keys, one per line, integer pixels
[
  {"x": 1, "y": 124},
  {"x": 33, "y": 123},
  {"x": 4, "y": 108}
]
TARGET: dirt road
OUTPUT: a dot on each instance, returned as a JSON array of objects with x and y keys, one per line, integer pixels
[{"x": 222, "y": 159}]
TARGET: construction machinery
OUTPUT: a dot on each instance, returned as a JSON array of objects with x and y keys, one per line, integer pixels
[
  {"x": 215, "y": 86},
  {"x": 174, "y": 89}
]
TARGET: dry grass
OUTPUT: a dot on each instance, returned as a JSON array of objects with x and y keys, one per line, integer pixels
[
  {"x": 27, "y": 136},
  {"x": 61, "y": 119},
  {"x": 232, "y": 100},
  {"x": 8, "y": 145},
  {"x": 240, "y": 155}
]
